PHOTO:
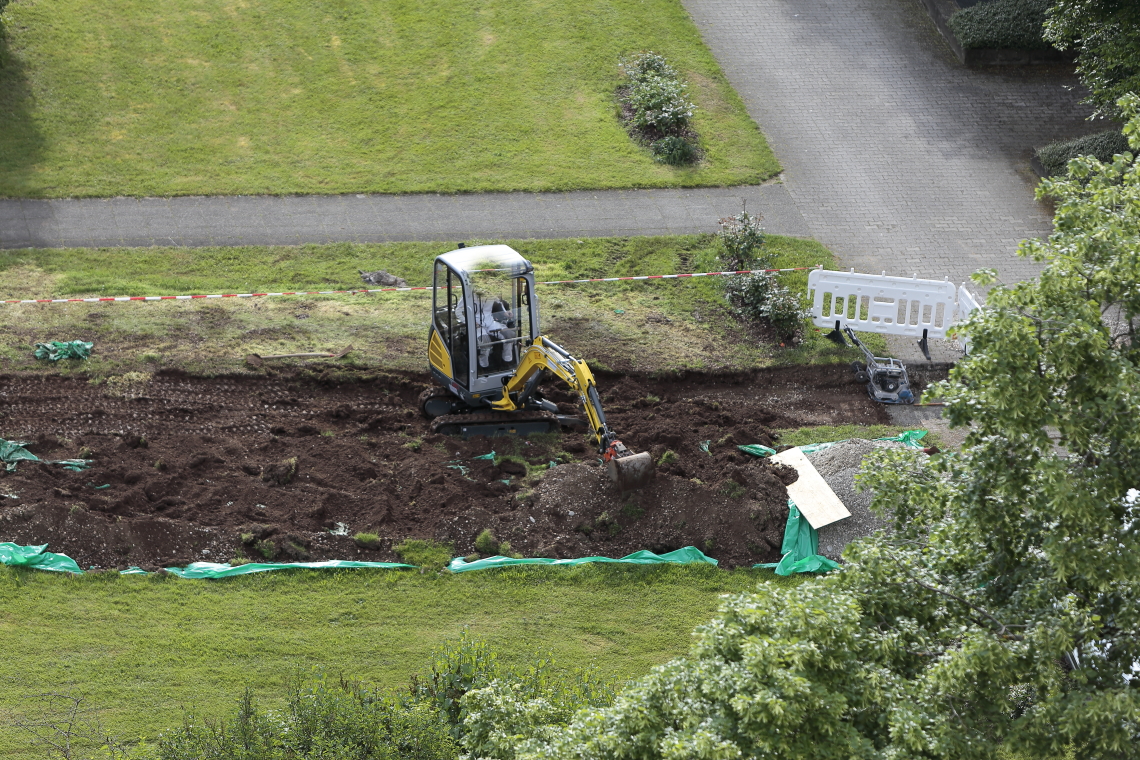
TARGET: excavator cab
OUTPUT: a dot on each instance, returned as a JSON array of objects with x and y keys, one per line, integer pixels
[
  {"x": 484, "y": 317},
  {"x": 488, "y": 358}
]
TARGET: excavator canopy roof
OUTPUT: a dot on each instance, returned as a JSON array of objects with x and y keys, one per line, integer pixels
[{"x": 486, "y": 257}]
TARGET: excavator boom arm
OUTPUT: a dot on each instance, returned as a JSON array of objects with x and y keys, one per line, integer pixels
[
  {"x": 545, "y": 355},
  {"x": 627, "y": 469}
]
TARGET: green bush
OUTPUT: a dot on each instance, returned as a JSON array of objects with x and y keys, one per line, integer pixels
[
  {"x": 659, "y": 102},
  {"x": 345, "y": 721},
  {"x": 741, "y": 238},
  {"x": 757, "y": 296},
  {"x": 1103, "y": 146},
  {"x": 456, "y": 669},
  {"x": 636, "y": 67},
  {"x": 674, "y": 150},
  {"x": 1008, "y": 24},
  {"x": 426, "y": 554}
]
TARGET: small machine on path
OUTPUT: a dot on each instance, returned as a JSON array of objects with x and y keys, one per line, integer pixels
[
  {"x": 486, "y": 353},
  {"x": 885, "y": 377}
]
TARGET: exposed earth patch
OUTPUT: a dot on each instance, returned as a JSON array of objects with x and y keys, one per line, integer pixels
[{"x": 283, "y": 466}]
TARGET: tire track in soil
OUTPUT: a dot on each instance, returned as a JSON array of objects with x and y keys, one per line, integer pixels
[{"x": 188, "y": 466}]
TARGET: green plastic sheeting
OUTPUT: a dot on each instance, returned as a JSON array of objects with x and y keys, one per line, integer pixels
[
  {"x": 37, "y": 557},
  {"x": 909, "y": 438},
  {"x": 56, "y": 350},
  {"x": 800, "y": 547},
  {"x": 12, "y": 452},
  {"x": 689, "y": 555},
  {"x": 757, "y": 450},
  {"x": 198, "y": 570}
]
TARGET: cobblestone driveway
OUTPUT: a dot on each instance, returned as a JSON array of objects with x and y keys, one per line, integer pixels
[{"x": 897, "y": 156}]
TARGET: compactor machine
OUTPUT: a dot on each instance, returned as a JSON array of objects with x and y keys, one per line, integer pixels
[{"x": 486, "y": 353}]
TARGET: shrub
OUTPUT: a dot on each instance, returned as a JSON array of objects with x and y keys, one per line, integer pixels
[
  {"x": 783, "y": 310},
  {"x": 763, "y": 297},
  {"x": 640, "y": 66},
  {"x": 456, "y": 668},
  {"x": 486, "y": 543},
  {"x": 674, "y": 150},
  {"x": 659, "y": 102},
  {"x": 741, "y": 238},
  {"x": 319, "y": 721},
  {"x": 367, "y": 540},
  {"x": 428, "y": 555},
  {"x": 1102, "y": 146},
  {"x": 756, "y": 296},
  {"x": 1012, "y": 24}
]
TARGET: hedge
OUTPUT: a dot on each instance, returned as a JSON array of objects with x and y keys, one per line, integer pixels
[
  {"x": 1103, "y": 145},
  {"x": 1002, "y": 24}
]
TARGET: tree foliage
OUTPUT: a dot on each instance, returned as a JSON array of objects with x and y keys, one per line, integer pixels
[
  {"x": 1003, "y": 608},
  {"x": 1106, "y": 36}
]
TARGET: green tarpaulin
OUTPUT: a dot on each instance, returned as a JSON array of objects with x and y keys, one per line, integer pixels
[
  {"x": 55, "y": 350},
  {"x": 12, "y": 452},
  {"x": 199, "y": 570},
  {"x": 800, "y": 547},
  {"x": 757, "y": 450},
  {"x": 37, "y": 557},
  {"x": 689, "y": 555}
]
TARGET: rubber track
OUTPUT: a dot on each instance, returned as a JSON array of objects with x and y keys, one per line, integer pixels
[{"x": 491, "y": 418}]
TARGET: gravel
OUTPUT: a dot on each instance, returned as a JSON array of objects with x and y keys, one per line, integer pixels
[{"x": 838, "y": 465}]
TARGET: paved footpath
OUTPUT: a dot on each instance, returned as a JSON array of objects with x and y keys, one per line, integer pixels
[{"x": 289, "y": 220}]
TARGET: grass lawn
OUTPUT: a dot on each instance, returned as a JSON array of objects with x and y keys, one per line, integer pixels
[
  {"x": 639, "y": 326},
  {"x": 185, "y": 97},
  {"x": 143, "y": 649}
]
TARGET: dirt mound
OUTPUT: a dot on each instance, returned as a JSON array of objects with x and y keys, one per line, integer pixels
[{"x": 289, "y": 467}]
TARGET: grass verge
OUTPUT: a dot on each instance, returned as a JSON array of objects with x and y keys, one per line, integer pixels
[
  {"x": 148, "y": 647},
  {"x": 643, "y": 326},
  {"x": 210, "y": 97}
]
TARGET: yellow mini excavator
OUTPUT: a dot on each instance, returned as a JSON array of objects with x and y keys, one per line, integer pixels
[{"x": 485, "y": 351}]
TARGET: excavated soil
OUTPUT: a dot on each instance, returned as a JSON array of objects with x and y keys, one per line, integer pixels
[{"x": 290, "y": 466}]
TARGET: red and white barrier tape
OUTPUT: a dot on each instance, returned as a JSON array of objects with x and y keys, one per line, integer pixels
[{"x": 387, "y": 290}]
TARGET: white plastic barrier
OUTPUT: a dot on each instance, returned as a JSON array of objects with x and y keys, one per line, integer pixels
[
  {"x": 882, "y": 304},
  {"x": 967, "y": 302}
]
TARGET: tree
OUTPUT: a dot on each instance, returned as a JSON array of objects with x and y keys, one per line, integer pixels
[
  {"x": 1016, "y": 564},
  {"x": 1106, "y": 36},
  {"x": 1004, "y": 606}
]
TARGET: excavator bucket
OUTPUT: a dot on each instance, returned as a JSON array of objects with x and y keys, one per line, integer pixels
[{"x": 631, "y": 471}]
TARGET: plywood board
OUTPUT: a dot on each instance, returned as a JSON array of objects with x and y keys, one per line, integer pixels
[{"x": 811, "y": 493}]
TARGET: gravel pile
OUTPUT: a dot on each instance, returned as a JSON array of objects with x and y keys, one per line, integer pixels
[{"x": 838, "y": 465}]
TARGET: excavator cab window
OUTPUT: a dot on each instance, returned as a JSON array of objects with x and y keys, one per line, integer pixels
[
  {"x": 502, "y": 319},
  {"x": 449, "y": 319}
]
